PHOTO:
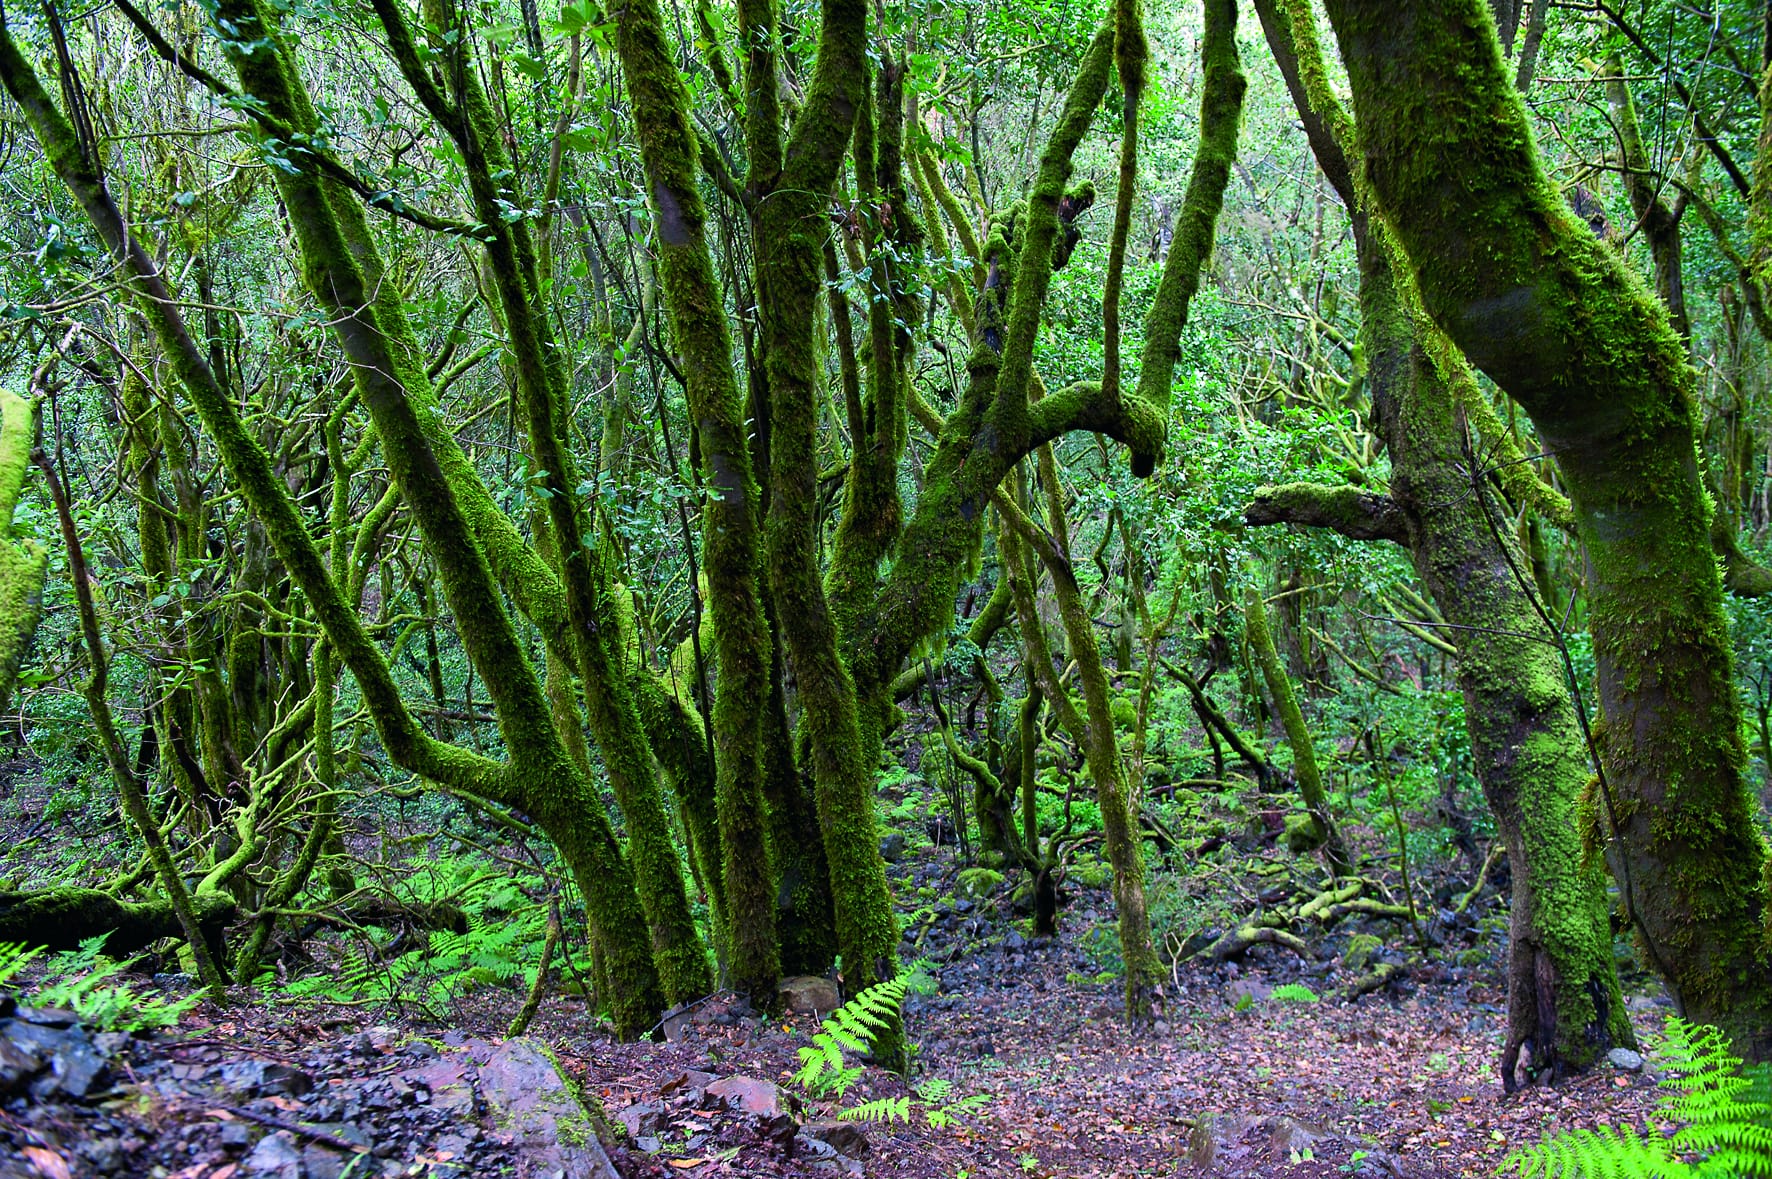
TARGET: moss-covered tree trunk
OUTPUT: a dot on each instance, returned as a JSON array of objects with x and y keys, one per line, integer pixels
[
  {"x": 792, "y": 187},
  {"x": 1528, "y": 294},
  {"x": 1298, "y": 733},
  {"x": 731, "y": 536},
  {"x": 1529, "y": 754}
]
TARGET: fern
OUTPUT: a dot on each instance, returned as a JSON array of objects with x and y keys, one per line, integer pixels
[
  {"x": 505, "y": 931},
  {"x": 14, "y": 957},
  {"x": 826, "y": 1072},
  {"x": 1725, "y": 1115},
  {"x": 886, "y": 1109},
  {"x": 1293, "y": 993},
  {"x": 87, "y": 983}
]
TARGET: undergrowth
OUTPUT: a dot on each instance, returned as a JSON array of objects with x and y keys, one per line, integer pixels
[
  {"x": 499, "y": 948},
  {"x": 90, "y": 985}
]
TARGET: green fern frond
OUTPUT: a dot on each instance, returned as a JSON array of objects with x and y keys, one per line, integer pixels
[
  {"x": 942, "y": 1117},
  {"x": 14, "y": 957},
  {"x": 1726, "y": 1114},
  {"x": 886, "y": 1110},
  {"x": 1606, "y": 1153},
  {"x": 935, "y": 1089}
]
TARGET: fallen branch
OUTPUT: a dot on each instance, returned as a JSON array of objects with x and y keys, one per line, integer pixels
[
  {"x": 1365, "y": 984},
  {"x": 1246, "y": 937},
  {"x": 62, "y": 918}
]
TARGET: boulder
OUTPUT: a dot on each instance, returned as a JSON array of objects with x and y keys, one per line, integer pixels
[
  {"x": 277, "y": 1156},
  {"x": 1359, "y": 951},
  {"x": 642, "y": 1118},
  {"x": 1301, "y": 834},
  {"x": 810, "y": 994},
  {"x": 750, "y": 1095},
  {"x": 535, "y": 1111},
  {"x": 846, "y": 1138}
]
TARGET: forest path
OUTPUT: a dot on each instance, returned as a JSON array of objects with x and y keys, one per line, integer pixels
[{"x": 1377, "y": 1088}]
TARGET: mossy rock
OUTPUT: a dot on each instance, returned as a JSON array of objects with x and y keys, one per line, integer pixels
[
  {"x": 1091, "y": 873},
  {"x": 1359, "y": 951},
  {"x": 1301, "y": 834},
  {"x": 979, "y": 883},
  {"x": 1124, "y": 712}
]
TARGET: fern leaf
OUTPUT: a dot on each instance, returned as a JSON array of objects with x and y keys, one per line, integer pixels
[{"x": 886, "y": 1110}]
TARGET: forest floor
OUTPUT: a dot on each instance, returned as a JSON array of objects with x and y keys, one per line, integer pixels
[{"x": 1231, "y": 1081}]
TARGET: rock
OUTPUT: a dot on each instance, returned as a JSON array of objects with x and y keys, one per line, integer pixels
[
  {"x": 1211, "y": 1134},
  {"x": 642, "y": 1118},
  {"x": 450, "y": 1083},
  {"x": 35, "y": 1039},
  {"x": 1288, "y": 1135},
  {"x": 104, "y": 1155},
  {"x": 676, "y": 1022},
  {"x": 648, "y": 1145},
  {"x": 537, "y": 1113},
  {"x": 892, "y": 847},
  {"x": 17, "y": 1066},
  {"x": 840, "y": 1166},
  {"x": 78, "y": 1068},
  {"x": 810, "y": 994},
  {"x": 275, "y": 1157},
  {"x": 1301, "y": 833},
  {"x": 48, "y": 1017},
  {"x": 325, "y": 1162},
  {"x": 1624, "y": 1058},
  {"x": 264, "y": 1078},
  {"x": 748, "y": 1095},
  {"x": 1013, "y": 941},
  {"x": 692, "y": 1083},
  {"x": 111, "y": 1043},
  {"x": 846, "y": 1138},
  {"x": 1256, "y": 991},
  {"x": 383, "y": 1038},
  {"x": 235, "y": 1137}
]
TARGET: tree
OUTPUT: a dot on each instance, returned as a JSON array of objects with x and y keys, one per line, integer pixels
[{"x": 1526, "y": 292}]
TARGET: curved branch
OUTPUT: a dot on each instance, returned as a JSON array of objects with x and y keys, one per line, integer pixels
[{"x": 1350, "y": 511}]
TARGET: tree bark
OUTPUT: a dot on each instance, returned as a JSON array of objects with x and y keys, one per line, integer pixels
[{"x": 1528, "y": 294}]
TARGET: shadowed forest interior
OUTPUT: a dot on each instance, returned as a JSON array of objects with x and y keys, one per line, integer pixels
[{"x": 1067, "y": 588}]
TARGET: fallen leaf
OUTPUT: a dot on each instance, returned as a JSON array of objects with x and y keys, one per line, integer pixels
[{"x": 48, "y": 1163}]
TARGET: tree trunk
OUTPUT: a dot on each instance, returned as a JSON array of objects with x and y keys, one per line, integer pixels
[{"x": 1524, "y": 289}]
